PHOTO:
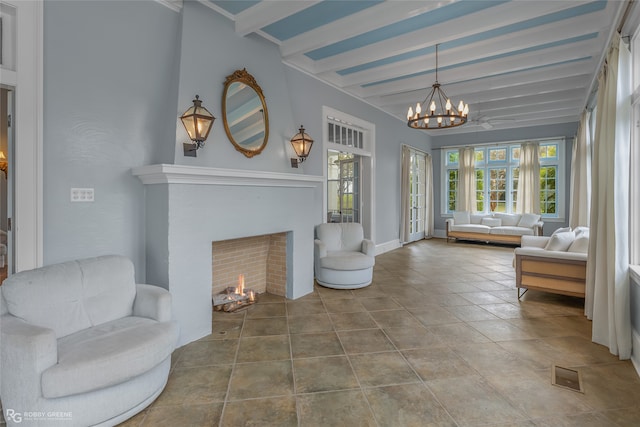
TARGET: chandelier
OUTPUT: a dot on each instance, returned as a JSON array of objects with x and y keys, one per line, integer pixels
[{"x": 440, "y": 113}]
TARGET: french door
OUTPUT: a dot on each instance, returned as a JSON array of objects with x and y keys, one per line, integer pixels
[
  {"x": 417, "y": 194},
  {"x": 343, "y": 187}
]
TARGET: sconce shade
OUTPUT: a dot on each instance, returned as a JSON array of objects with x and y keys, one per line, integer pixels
[
  {"x": 197, "y": 121},
  {"x": 3, "y": 163},
  {"x": 302, "y": 143}
]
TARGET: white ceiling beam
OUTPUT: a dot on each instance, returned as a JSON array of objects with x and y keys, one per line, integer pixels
[
  {"x": 495, "y": 82},
  {"x": 267, "y": 12},
  {"x": 369, "y": 19},
  {"x": 474, "y": 128},
  {"x": 504, "y": 65},
  {"x": 512, "y": 42},
  {"x": 466, "y": 25}
]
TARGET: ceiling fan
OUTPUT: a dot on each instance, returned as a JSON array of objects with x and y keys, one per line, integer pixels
[{"x": 488, "y": 123}]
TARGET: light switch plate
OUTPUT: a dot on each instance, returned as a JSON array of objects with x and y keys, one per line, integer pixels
[{"x": 82, "y": 195}]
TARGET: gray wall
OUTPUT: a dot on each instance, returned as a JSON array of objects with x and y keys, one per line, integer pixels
[
  {"x": 118, "y": 74},
  {"x": 110, "y": 82},
  {"x": 635, "y": 314},
  {"x": 567, "y": 130}
]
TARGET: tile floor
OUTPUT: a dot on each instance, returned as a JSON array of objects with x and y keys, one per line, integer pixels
[{"x": 438, "y": 339}]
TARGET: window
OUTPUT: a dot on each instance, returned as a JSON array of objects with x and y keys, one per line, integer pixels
[{"x": 497, "y": 174}]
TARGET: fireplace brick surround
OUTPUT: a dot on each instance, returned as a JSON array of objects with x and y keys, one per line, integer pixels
[
  {"x": 189, "y": 207},
  {"x": 261, "y": 259}
]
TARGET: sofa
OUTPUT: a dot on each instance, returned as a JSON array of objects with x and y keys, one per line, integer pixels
[
  {"x": 493, "y": 227},
  {"x": 343, "y": 258},
  {"x": 556, "y": 264},
  {"x": 82, "y": 343}
]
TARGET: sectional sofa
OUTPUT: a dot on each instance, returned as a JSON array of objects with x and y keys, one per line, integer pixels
[{"x": 493, "y": 227}]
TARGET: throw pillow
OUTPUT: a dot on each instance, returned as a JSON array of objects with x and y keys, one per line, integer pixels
[
  {"x": 580, "y": 244},
  {"x": 581, "y": 229},
  {"x": 508, "y": 219},
  {"x": 560, "y": 241},
  {"x": 528, "y": 220},
  {"x": 461, "y": 218},
  {"x": 492, "y": 222},
  {"x": 561, "y": 230}
]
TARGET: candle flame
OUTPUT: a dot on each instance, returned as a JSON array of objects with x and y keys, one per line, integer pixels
[{"x": 240, "y": 288}]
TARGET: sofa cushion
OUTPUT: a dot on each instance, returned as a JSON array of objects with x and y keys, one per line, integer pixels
[
  {"x": 492, "y": 222},
  {"x": 477, "y": 218},
  {"x": 580, "y": 244},
  {"x": 339, "y": 260},
  {"x": 461, "y": 217},
  {"x": 512, "y": 231},
  {"x": 560, "y": 241},
  {"x": 471, "y": 228},
  {"x": 108, "y": 354},
  {"x": 508, "y": 220},
  {"x": 528, "y": 220},
  {"x": 561, "y": 230}
]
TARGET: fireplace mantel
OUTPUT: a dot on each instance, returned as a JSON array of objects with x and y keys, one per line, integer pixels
[
  {"x": 189, "y": 207},
  {"x": 181, "y": 174}
]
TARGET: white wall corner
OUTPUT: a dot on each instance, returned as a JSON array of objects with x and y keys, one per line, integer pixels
[{"x": 387, "y": 246}]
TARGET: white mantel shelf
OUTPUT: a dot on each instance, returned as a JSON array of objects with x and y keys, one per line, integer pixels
[{"x": 181, "y": 174}]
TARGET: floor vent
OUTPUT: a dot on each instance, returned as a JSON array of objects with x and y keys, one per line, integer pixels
[{"x": 566, "y": 378}]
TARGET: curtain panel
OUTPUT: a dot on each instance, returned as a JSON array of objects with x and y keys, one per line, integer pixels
[
  {"x": 429, "y": 214},
  {"x": 528, "y": 200},
  {"x": 466, "y": 200},
  {"x": 580, "y": 187},
  {"x": 607, "y": 291}
]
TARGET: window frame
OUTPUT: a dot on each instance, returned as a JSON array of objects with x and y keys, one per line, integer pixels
[{"x": 510, "y": 163}]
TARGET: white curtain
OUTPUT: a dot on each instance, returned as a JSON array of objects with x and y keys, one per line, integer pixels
[
  {"x": 466, "y": 200},
  {"x": 580, "y": 199},
  {"x": 607, "y": 292},
  {"x": 528, "y": 200},
  {"x": 405, "y": 195},
  {"x": 428, "y": 215}
]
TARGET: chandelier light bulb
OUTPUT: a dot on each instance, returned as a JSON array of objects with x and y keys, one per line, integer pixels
[
  {"x": 418, "y": 109},
  {"x": 432, "y": 107},
  {"x": 409, "y": 113},
  {"x": 461, "y": 107},
  {"x": 439, "y": 120},
  {"x": 448, "y": 105},
  {"x": 466, "y": 110}
]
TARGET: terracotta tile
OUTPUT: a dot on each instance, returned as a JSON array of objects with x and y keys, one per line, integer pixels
[
  {"x": 323, "y": 374},
  {"x": 377, "y": 369},
  {"x": 276, "y": 411},
  {"x": 365, "y": 341},
  {"x": 261, "y": 379},
  {"x": 317, "y": 344}
]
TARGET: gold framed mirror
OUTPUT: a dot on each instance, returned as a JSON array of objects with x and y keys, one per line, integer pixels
[{"x": 244, "y": 113}]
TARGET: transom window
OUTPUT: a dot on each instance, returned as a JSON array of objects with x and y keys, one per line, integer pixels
[{"x": 497, "y": 173}]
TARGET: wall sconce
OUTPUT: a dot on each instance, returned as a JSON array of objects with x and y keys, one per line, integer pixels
[
  {"x": 301, "y": 143},
  {"x": 197, "y": 121},
  {"x": 3, "y": 163}
]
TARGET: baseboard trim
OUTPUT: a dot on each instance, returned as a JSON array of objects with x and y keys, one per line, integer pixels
[
  {"x": 635, "y": 353},
  {"x": 388, "y": 246},
  {"x": 441, "y": 234}
]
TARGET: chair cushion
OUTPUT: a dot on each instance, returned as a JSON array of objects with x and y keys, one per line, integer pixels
[
  {"x": 72, "y": 296},
  {"x": 343, "y": 260},
  {"x": 341, "y": 236},
  {"x": 108, "y": 354}
]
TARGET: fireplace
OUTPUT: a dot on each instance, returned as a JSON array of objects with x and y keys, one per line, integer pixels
[
  {"x": 189, "y": 207},
  {"x": 261, "y": 260}
]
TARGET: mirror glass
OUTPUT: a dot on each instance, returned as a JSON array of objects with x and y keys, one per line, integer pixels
[{"x": 244, "y": 112}]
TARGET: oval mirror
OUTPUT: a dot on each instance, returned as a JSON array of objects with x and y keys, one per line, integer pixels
[{"x": 244, "y": 113}]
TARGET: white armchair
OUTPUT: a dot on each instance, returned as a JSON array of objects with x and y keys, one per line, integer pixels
[
  {"x": 82, "y": 341},
  {"x": 343, "y": 258}
]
